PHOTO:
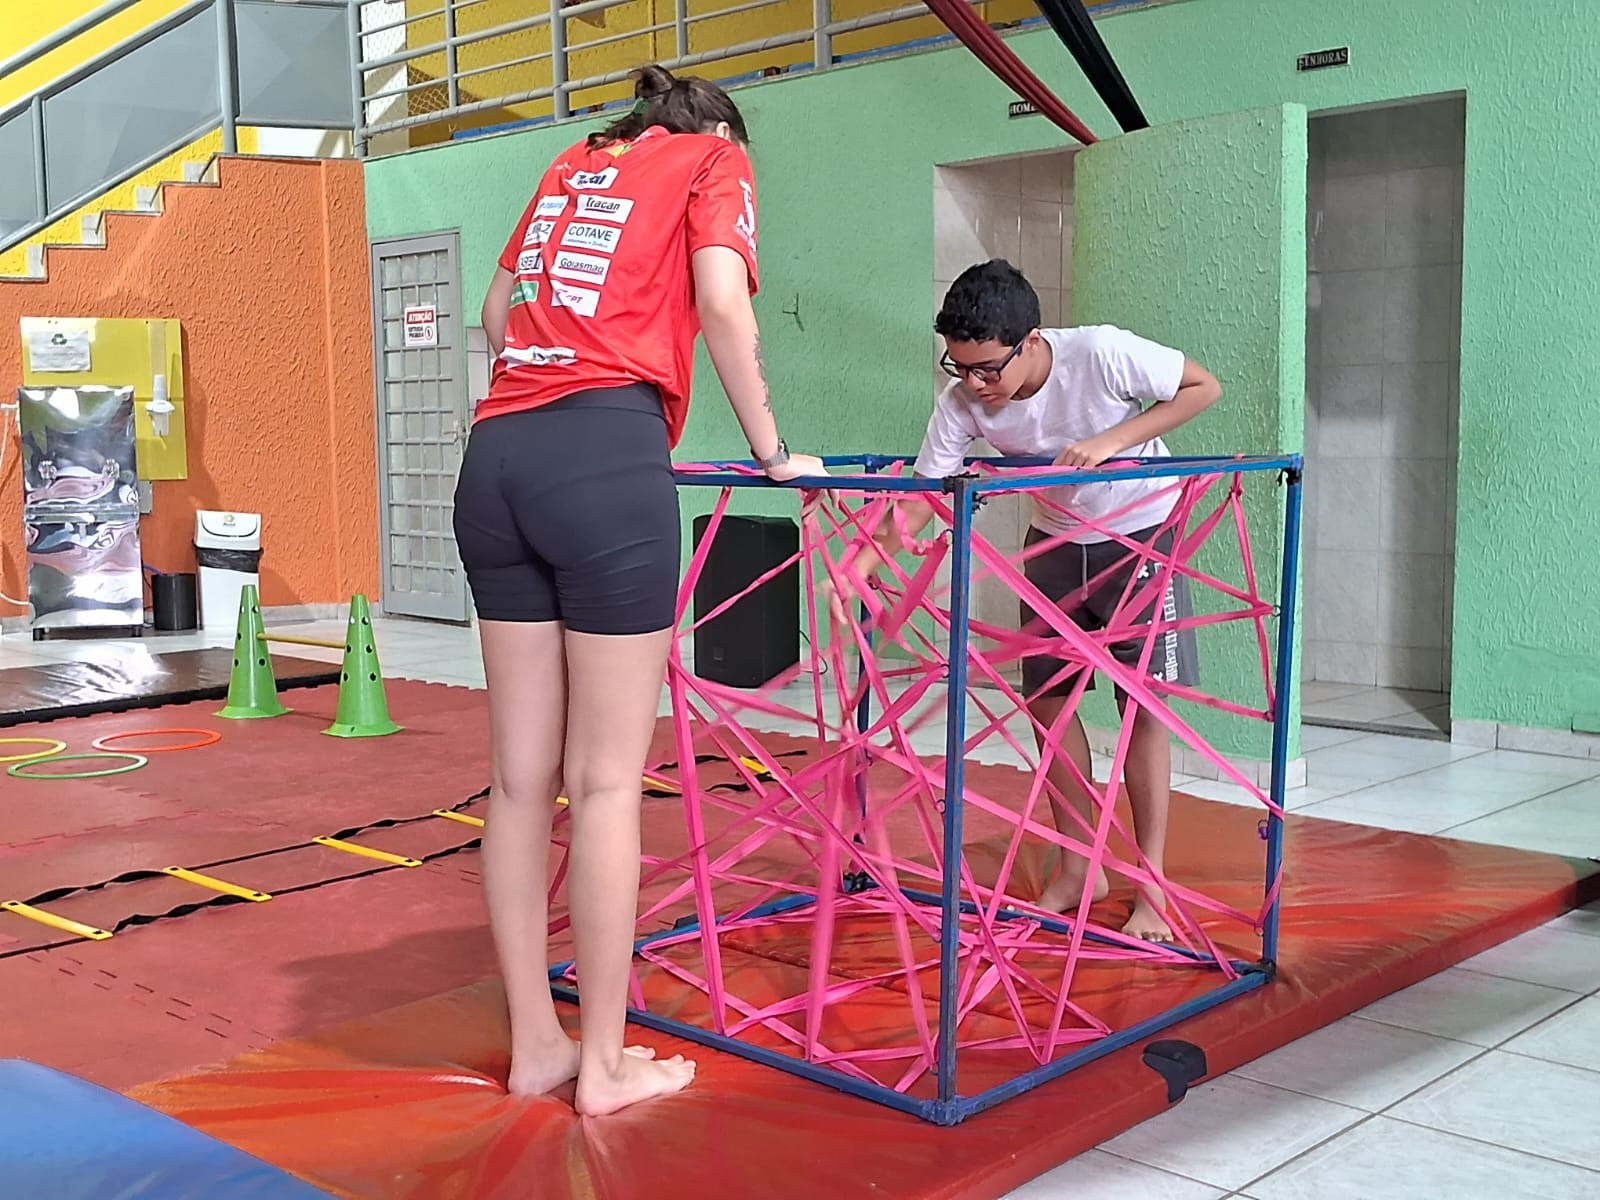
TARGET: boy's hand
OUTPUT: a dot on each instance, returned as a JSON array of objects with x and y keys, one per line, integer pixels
[
  {"x": 835, "y": 602},
  {"x": 1090, "y": 453}
]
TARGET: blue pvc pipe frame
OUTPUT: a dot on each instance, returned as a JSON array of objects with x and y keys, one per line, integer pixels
[{"x": 949, "y": 1107}]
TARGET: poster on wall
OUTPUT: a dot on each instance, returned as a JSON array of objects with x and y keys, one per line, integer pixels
[{"x": 422, "y": 325}]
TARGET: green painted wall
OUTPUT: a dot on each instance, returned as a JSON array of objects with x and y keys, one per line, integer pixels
[
  {"x": 1194, "y": 234},
  {"x": 846, "y": 165}
]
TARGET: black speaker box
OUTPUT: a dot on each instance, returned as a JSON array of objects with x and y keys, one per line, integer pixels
[{"x": 759, "y": 636}]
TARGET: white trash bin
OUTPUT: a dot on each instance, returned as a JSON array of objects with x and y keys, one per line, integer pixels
[{"x": 227, "y": 552}]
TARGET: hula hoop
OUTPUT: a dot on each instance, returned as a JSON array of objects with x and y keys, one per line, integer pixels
[
  {"x": 207, "y": 738},
  {"x": 55, "y": 747},
  {"x": 137, "y": 761}
]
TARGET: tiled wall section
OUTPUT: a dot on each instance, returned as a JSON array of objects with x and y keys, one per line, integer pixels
[
  {"x": 1382, "y": 354},
  {"x": 1019, "y": 209}
]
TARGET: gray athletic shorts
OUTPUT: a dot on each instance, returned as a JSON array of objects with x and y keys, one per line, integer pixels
[{"x": 1065, "y": 571}]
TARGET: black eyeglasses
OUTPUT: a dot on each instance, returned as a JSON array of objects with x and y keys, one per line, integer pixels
[{"x": 986, "y": 372}]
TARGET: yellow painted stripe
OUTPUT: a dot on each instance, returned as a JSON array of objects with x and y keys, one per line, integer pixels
[
  {"x": 216, "y": 885},
  {"x": 398, "y": 860},
  {"x": 55, "y": 922}
]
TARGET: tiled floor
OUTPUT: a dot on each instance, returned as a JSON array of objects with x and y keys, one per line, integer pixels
[
  {"x": 1375, "y": 709},
  {"x": 1483, "y": 1081}
]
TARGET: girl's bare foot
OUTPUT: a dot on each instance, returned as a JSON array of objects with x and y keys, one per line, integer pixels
[
  {"x": 1066, "y": 890},
  {"x": 1148, "y": 923},
  {"x": 543, "y": 1068},
  {"x": 635, "y": 1079}
]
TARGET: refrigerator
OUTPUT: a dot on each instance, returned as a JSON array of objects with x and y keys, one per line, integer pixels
[{"x": 80, "y": 509}]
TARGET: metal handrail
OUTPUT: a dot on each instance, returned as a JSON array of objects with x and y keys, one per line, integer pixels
[
  {"x": 226, "y": 117},
  {"x": 32, "y": 54},
  {"x": 109, "y": 55},
  {"x": 822, "y": 31},
  {"x": 553, "y": 16}
]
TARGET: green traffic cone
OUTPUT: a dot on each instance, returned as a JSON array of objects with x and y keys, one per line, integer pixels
[
  {"x": 252, "y": 689},
  {"x": 362, "y": 711}
]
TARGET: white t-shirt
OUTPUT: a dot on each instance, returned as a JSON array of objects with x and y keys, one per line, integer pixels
[{"x": 1099, "y": 377}]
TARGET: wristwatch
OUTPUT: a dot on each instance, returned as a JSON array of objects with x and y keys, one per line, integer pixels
[{"x": 778, "y": 458}]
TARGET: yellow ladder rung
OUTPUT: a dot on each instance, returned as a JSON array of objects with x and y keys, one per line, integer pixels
[
  {"x": 455, "y": 816},
  {"x": 216, "y": 885},
  {"x": 55, "y": 922},
  {"x": 755, "y": 766},
  {"x": 398, "y": 860},
  {"x": 662, "y": 785}
]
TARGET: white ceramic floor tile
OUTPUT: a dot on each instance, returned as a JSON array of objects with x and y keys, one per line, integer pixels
[
  {"x": 1431, "y": 720},
  {"x": 1580, "y": 920},
  {"x": 1377, "y": 704},
  {"x": 1338, "y": 809},
  {"x": 1428, "y": 802},
  {"x": 1320, "y": 693},
  {"x": 1552, "y": 957},
  {"x": 1321, "y": 737},
  {"x": 1359, "y": 1063},
  {"x": 1346, "y": 768},
  {"x": 1572, "y": 1037},
  {"x": 1101, "y": 1176},
  {"x": 1558, "y": 770},
  {"x": 1565, "y": 822},
  {"x": 1413, "y": 752},
  {"x": 1201, "y": 1137},
  {"x": 1520, "y": 1103},
  {"x": 1469, "y": 1006},
  {"x": 1386, "y": 1158}
]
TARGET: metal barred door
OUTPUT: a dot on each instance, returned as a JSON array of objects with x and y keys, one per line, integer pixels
[{"x": 422, "y": 422}]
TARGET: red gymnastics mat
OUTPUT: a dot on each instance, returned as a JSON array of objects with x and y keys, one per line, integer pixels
[
  {"x": 409, "y": 1103},
  {"x": 359, "y": 1042}
]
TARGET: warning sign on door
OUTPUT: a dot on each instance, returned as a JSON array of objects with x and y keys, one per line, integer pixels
[{"x": 422, "y": 325}]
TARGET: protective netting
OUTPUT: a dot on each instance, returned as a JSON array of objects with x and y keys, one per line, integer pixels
[{"x": 861, "y": 911}]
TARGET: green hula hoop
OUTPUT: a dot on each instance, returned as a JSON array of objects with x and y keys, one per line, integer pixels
[{"x": 135, "y": 761}]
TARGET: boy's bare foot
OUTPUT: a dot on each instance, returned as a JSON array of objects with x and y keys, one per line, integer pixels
[
  {"x": 544, "y": 1068},
  {"x": 601, "y": 1092},
  {"x": 1148, "y": 923},
  {"x": 1066, "y": 890}
]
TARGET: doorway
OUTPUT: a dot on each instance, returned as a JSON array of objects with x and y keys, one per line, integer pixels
[
  {"x": 1383, "y": 229},
  {"x": 422, "y": 423},
  {"x": 1020, "y": 209}
]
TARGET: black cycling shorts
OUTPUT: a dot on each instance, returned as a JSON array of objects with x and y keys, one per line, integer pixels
[{"x": 569, "y": 513}]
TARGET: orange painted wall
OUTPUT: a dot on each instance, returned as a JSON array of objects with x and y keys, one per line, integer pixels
[{"x": 268, "y": 274}]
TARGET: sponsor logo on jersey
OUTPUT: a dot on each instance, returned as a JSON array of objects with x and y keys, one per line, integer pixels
[
  {"x": 589, "y": 236},
  {"x": 539, "y": 356},
  {"x": 538, "y": 233},
  {"x": 745, "y": 225},
  {"x": 582, "y": 301},
  {"x": 530, "y": 262},
  {"x": 550, "y": 206},
  {"x": 593, "y": 181},
  {"x": 580, "y": 266},
  {"x": 525, "y": 291},
  {"x": 605, "y": 208}
]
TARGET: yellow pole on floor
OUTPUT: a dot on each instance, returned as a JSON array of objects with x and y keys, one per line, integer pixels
[{"x": 300, "y": 641}]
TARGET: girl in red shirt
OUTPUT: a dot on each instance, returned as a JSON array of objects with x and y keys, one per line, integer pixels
[{"x": 566, "y": 515}]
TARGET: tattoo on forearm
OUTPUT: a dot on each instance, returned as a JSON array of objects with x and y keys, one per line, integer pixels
[{"x": 761, "y": 370}]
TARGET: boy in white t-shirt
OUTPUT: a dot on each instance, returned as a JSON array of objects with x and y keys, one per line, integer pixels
[{"x": 1081, "y": 396}]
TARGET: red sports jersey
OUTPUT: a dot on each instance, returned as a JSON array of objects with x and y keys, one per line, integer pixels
[{"x": 604, "y": 293}]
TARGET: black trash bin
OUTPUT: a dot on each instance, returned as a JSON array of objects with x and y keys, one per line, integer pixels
[{"x": 172, "y": 599}]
